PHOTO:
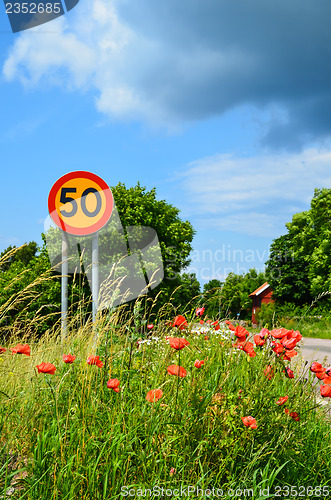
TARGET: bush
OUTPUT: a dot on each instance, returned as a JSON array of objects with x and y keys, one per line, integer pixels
[{"x": 265, "y": 316}]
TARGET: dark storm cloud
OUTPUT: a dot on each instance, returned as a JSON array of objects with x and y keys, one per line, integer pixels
[{"x": 219, "y": 54}]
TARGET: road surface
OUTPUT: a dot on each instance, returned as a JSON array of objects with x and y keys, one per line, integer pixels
[{"x": 316, "y": 350}]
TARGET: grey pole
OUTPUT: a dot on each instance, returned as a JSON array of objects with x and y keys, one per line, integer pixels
[
  {"x": 64, "y": 287},
  {"x": 95, "y": 275}
]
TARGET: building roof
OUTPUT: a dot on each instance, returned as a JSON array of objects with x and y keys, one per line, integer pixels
[{"x": 260, "y": 289}]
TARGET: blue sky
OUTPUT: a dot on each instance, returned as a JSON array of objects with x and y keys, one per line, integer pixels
[{"x": 224, "y": 107}]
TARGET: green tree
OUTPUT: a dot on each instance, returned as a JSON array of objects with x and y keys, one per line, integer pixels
[
  {"x": 307, "y": 273},
  {"x": 137, "y": 206},
  {"x": 28, "y": 290},
  {"x": 30, "y": 293},
  {"x": 287, "y": 273},
  {"x": 235, "y": 300},
  {"x": 187, "y": 294},
  {"x": 314, "y": 244},
  {"x": 23, "y": 254},
  {"x": 212, "y": 297}
]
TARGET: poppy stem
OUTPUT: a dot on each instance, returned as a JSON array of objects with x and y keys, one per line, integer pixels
[
  {"x": 130, "y": 361},
  {"x": 177, "y": 383},
  {"x": 312, "y": 408},
  {"x": 105, "y": 368},
  {"x": 56, "y": 412}
]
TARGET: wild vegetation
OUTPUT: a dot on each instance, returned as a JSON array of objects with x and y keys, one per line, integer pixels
[{"x": 146, "y": 400}]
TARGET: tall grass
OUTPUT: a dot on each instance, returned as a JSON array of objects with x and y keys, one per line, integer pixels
[{"x": 77, "y": 439}]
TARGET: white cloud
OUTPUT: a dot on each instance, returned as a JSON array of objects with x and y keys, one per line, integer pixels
[
  {"x": 34, "y": 57},
  {"x": 95, "y": 53},
  {"x": 253, "y": 195}
]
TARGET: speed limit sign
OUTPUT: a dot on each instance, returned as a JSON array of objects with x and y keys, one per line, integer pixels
[{"x": 80, "y": 203}]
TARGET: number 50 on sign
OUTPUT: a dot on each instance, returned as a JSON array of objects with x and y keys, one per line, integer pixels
[{"x": 80, "y": 203}]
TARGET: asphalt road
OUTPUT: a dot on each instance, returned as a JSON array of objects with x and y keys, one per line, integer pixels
[{"x": 316, "y": 350}]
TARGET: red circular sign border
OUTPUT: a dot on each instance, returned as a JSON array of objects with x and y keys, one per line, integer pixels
[{"x": 74, "y": 230}]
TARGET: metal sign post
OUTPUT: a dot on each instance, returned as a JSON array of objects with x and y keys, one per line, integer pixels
[
  {"x": 95, "y": 275},
  {"x": 64, "y": 287}
]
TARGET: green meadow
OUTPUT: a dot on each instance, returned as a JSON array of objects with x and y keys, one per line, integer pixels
[{"x": 67, "y": 435}]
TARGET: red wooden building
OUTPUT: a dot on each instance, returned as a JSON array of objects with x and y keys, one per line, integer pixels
[{"x": 262, "y": 295}]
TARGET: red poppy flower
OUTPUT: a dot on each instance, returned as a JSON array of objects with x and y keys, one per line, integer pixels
[
  {"x": 199, "y": 312},
  {"x": 289, "y": 372},
  {"x": 249, "y": 422},
  {"x": 180, "y": 322},
  {"x": 201, "y": 322},
  {"x": 240, "y": 332},
  {"x": 198, "y": 364},
  {"x": 114, "y": 384},
  {"x": 258, "y": 340},
  {"x": 240, "y": 343},
  {"x": 230, "y": 325},
  {"x": 289, "y": 344},
  {"x": 216, "y": 325},
  {"x": 321, "y": 375},
  {"x": 94, "y": 360},
  {"x": 296, "y": 335},
  {"x": 206, "y": 337},
  {"x": 177, "y": 370},
  {"x": 154, "y": 395},
  {"x": 46, "y": 368},
  {"x": 178, "y": 343},
  {"x": 150, "y": 327},
  {"x": 325, "y": 391},
  {"x": 21, "y": 349},
  {"x": 264, "y": 333},
  {"x": 289, "y": 354},
  {"x": 316, "y": 367},
  {"x": 279, "y": 333},
  {"x": 69, "y": 358},
  {"x": 249, "y": 349},
  {"x": 326, "y": 379},
  {"x": 282, "y": 400},
  {"x": 269, "y": 372},
  {"x": 2, "y": 349},
  {"x": 292, "y": 414},
  {"x": 278, "y": 348}
]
